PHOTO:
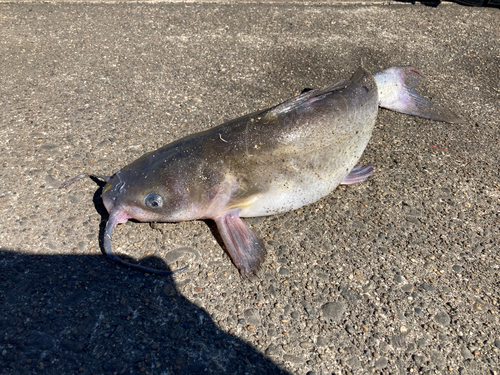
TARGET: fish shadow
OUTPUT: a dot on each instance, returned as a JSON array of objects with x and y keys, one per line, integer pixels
[
  {"x": 433, "y": 4},
  {"x": 75, "y": 314},
  {"x": 97, "y": 200},
  {"x": 212, "y": 226}
]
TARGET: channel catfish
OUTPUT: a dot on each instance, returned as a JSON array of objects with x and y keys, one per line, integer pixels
[{"x": 264, "y": 163}]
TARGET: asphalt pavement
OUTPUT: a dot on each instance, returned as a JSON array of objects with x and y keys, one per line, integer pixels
[{"x": 396, "y": 275}]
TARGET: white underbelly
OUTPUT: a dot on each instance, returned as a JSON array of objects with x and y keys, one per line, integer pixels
[{"x": 289, "y": 195}]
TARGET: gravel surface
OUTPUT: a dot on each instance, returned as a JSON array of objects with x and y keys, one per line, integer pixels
[{"x": 399, "y": 274}]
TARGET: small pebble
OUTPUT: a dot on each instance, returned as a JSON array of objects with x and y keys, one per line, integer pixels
[
  {"x": 428, "y": 288},
  {"x": 381, "y": 363},
  {"x": 466, "y": 354},
  {"x": 284, "y": 271},
  {"x": 333, "y": 310},
  {"x": 349, "y": 329},
  {"x": 306, "y": 344},
  {"x": 442, "y": 318},
  {"x": 421, "y": 342}
]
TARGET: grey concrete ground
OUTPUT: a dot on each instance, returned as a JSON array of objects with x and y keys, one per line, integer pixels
[{"x": 399, "y": 274}]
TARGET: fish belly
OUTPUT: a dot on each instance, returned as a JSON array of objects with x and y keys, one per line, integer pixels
[
  {"x": 302, "y": 180},
  {"x": 287, "y": 196}
]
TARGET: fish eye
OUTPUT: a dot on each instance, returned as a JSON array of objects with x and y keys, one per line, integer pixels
[{"x": 153, "y": 201}]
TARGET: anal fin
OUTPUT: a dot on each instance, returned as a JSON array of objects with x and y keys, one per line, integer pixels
[
  {"x": 247, "y": 251},
  {"x": 359, "y": 174}
]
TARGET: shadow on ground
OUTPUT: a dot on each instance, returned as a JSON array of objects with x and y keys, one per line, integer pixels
[{"x": 81, "y": 314}]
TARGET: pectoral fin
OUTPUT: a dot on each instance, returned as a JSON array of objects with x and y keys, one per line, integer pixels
[
  {"x": 358, "y": 174},
  {"x": 246, "y": 250}
]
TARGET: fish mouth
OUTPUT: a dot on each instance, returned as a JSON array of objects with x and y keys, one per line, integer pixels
[{"x": 117, "y": 217}]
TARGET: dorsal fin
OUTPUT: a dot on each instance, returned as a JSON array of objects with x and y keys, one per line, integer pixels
[
  {"x": 312, "y": 95},
  {"x": 302, "y": 99}
]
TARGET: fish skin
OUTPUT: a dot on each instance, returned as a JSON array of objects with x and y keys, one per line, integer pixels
[{"x": 261, "y": 164}]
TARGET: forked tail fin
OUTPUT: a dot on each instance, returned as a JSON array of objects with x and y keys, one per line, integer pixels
[{"x": 396, "y": 91}]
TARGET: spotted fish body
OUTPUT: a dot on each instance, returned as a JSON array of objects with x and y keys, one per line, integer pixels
[{"x": 264, "y": 163}]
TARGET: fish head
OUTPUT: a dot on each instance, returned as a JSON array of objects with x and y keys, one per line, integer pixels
[
  {"x": 147, "y": 192},
  {"x": 134, "y": 201}
]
